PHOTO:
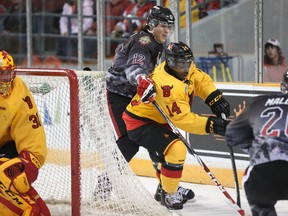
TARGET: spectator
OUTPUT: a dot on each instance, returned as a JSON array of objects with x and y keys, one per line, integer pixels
[
  {"x": 274, "y": 62},
  {"x": 208, "y": 8},
  {"x": 139, "y": 10},
  {"x": 261, "y": 131},
  {"x": 69, "y": 26},
  {"x": 4, "y": 6},
  {"x": 112, "y": 8},
  {"x": 15, "y": 23},
  {"x": 52, "y": 22}
]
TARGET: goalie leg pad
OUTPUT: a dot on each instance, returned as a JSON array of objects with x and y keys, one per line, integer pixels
[{"x": 29, "y": 204}]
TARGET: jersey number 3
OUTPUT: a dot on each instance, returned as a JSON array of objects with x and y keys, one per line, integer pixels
[{"x": 35, "y": 120}]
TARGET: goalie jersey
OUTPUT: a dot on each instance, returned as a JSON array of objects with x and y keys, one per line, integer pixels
[
  {"x": 262, "y": 129},
  {"x": 175, "y": 98},
  {"x": 21, "y": 123}
]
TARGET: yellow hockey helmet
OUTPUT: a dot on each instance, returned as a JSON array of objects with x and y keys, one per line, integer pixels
[{"x": 7, "y": 73}]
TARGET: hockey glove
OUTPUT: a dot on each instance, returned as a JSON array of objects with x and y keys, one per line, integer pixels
[
  {"x": 218, "y": 104},
  {"x": 146, "y": 89},
  {"x": 16, "y": 176},
  {"x": 216, "y": 125},
  {"x": 22, "y": 171}
]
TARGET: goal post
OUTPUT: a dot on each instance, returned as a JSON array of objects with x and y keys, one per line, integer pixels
[
  {"x": 28, "y": 73},
  {"x": 84, "y": 171}
]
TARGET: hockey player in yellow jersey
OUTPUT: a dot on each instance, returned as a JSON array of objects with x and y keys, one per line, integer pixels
[
  {"x": 173, "y": 84},
  {"x": 22, "y": 145}
]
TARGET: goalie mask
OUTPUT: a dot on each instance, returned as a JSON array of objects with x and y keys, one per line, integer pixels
[
  {"x": 7, "y": 73},
  {"x": 179, "y": 58},
  {"x": 284, "y": 83},
  {"x": 160, "y": 15}
]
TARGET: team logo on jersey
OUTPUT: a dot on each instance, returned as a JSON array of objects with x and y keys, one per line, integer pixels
[
  {"x": 27, "y": 99},
  {"x": 166, "y": 90},
  {"x": 144, "y": 40}
]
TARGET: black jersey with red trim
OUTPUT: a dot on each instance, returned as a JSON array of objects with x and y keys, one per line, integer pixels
[
  {"x": 262, "y": 129},
  {"x": 137, "y": 56}
]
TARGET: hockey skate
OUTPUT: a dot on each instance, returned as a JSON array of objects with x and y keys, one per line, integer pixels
[
  {"x": 172, "y": 201},
  {"x": 186, "y": 193}
]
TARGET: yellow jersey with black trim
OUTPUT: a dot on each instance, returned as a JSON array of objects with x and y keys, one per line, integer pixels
[
  {"x": 21, "y": 123},
  {"x": 175, "y": 98}
]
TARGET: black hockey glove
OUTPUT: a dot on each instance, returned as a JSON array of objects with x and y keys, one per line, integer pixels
[
  {"x": 216, "y": 125},
  {"x": 218, "y": 104}
]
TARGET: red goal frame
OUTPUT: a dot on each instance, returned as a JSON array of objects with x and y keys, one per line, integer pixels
[{"x": 74, "y": 126}]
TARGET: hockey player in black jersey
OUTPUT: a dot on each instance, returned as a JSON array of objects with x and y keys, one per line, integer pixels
[
  {"x": 261, "y": 130},
  {"x": 133, "y": 61}
]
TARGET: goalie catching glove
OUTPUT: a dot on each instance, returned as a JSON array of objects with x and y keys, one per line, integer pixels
[
  {"x": 20, "y": 172},
  {"x": 218, "y": 104},
  {"x": 146, "y": 89},
  {"x": 216, "y": 125},
  {"x": 16, "y": 177}
]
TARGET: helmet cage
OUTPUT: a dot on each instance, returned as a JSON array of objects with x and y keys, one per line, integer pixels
[
  {"x": 7, "y": 73},
  {"x": 6, "y": 80}
]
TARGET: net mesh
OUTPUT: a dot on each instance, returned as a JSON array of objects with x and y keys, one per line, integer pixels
[{"x": 108, "y": 186}]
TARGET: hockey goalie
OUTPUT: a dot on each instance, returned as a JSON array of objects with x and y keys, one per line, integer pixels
[{"x": 22, "y": 145}]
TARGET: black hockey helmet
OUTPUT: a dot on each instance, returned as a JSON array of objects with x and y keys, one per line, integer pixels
[
  {"x": 159, "y": 14},
  {"x": 178, "y": 52},
  {"x": 284, "y": 83},
  {"x": 179, "y": 58}
]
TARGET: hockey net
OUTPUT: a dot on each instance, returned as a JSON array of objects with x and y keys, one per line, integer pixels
[{"x": 85, "y": 173}]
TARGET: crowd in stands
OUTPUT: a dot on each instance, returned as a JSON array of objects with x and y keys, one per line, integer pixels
[
  {"x": 67, "y": 45},
  {"x": 128, "y": 26},
  {"x": 123, "y": 18}
]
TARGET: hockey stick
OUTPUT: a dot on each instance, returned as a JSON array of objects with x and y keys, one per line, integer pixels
[
  {"x": 192, "y": 152},
  {"x": 236, "y": 182}
]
